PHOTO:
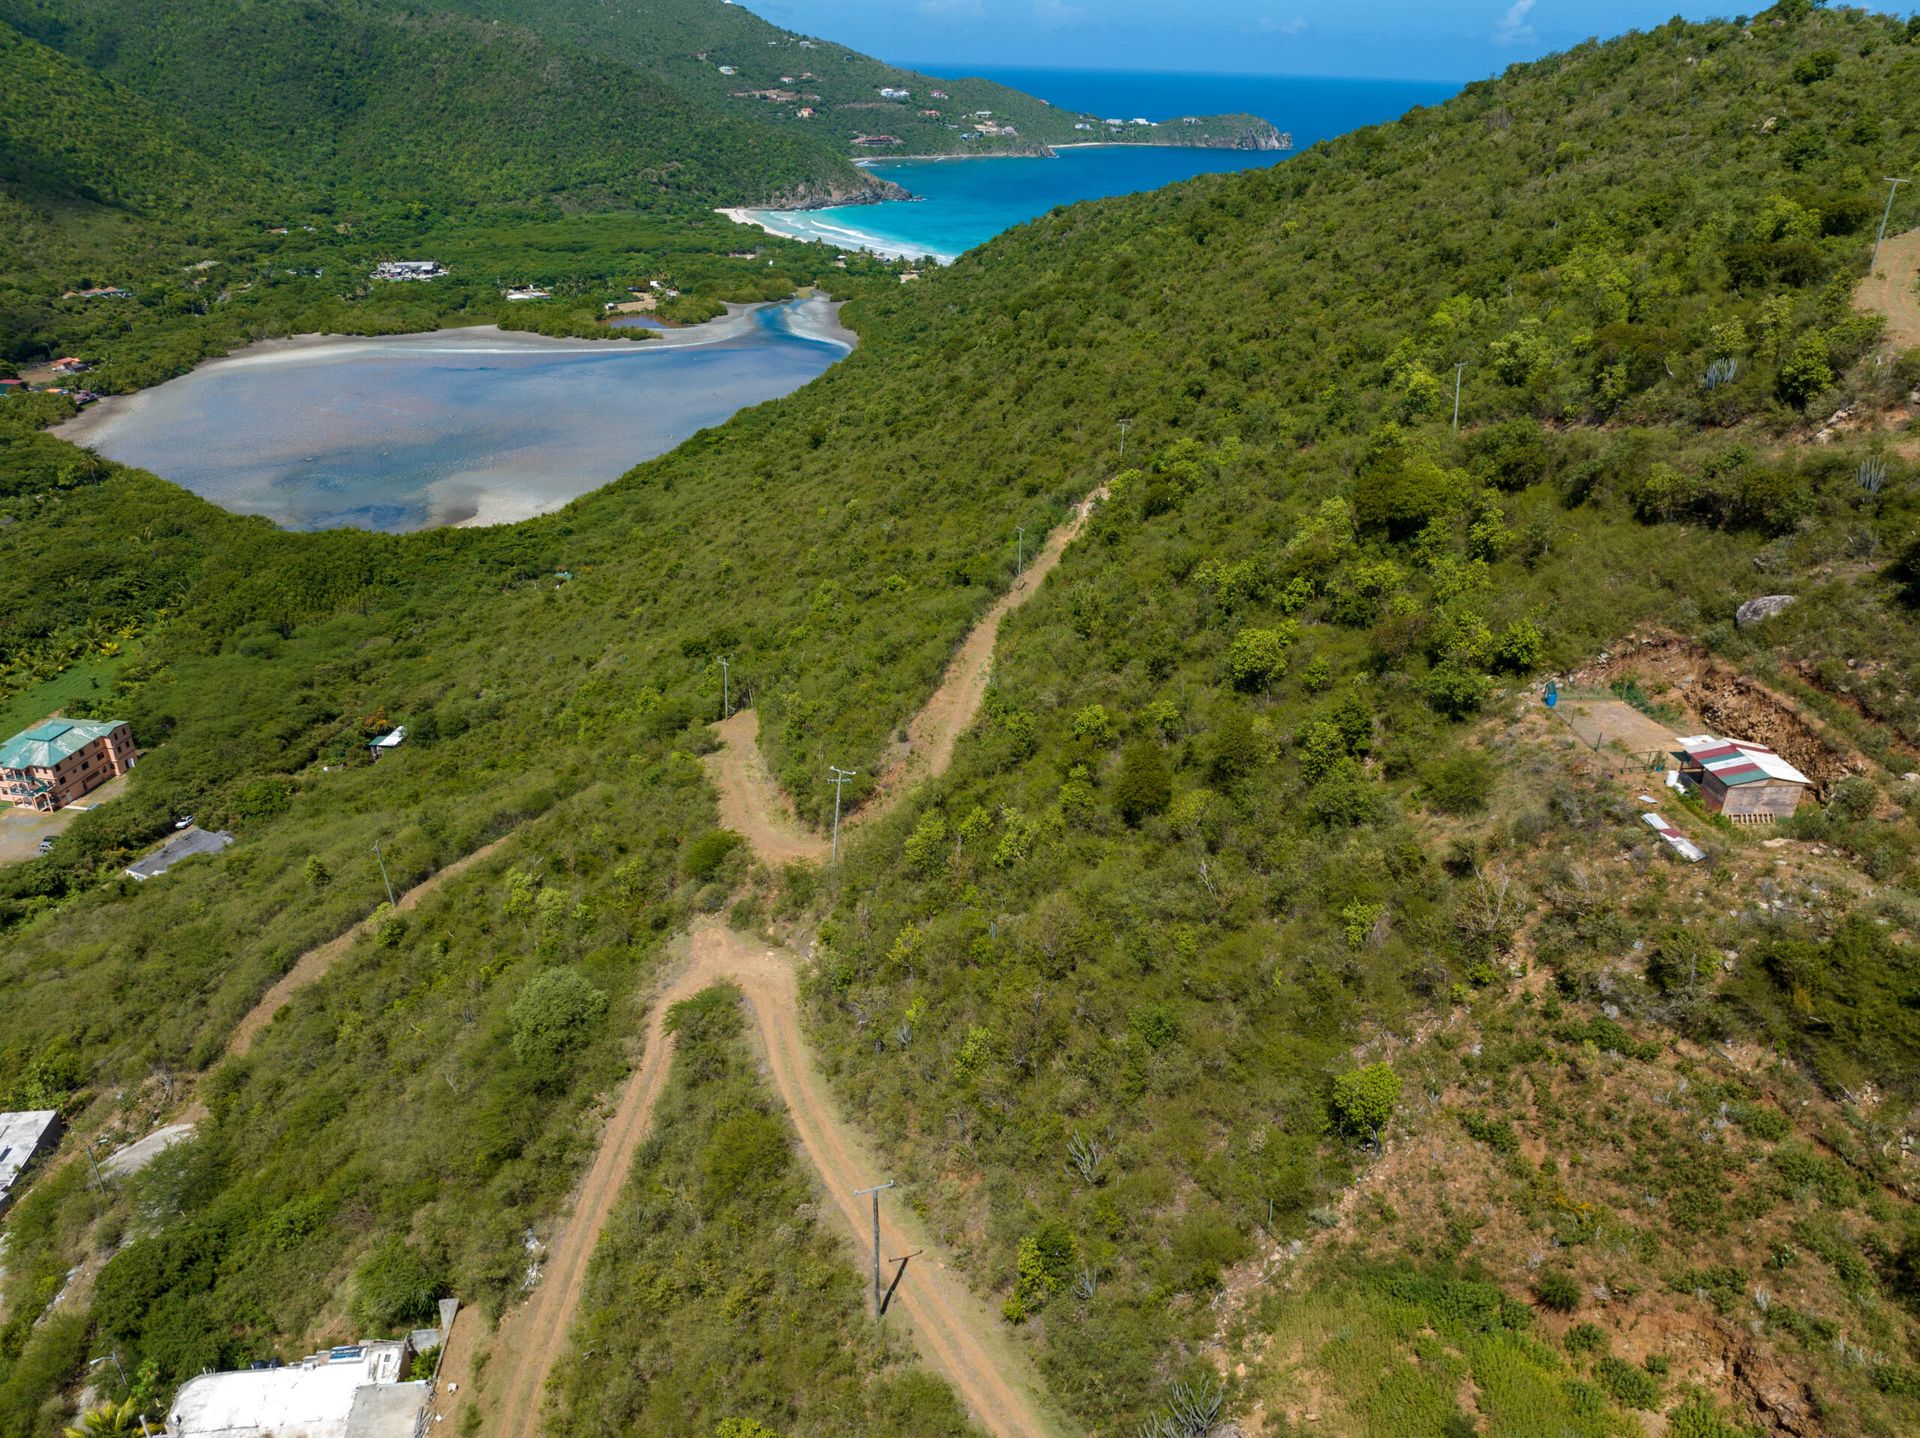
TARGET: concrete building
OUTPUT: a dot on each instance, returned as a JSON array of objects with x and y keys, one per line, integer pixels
[
  {"x": 184, "y": 845},
  {"x": 58, "y": 760},
  {"x": 23, "y": 1138},
  {"x": 1748, "y": 783},
  {"x": 359, "y": 1390}
]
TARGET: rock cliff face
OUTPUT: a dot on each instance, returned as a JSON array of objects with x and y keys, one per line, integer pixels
[{"x": 812, "y": 195}]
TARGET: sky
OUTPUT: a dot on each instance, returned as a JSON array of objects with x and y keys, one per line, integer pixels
[{"x": 1400, "y": 39}]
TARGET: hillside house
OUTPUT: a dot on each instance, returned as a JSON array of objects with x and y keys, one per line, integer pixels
[
  {"x": 887, "y": 92},
  {"x": 358, "y": 1390},
  {"x": 23, "y": 1138},
  {"x": 529, "y": 292},
  {"x": 58, "y": 760},
  {"x": 72, "y": 364},
  {"x": 101, "y": 292},
  {"x": 408, "y": 270},
  {"x": 1749, "y": 783}
]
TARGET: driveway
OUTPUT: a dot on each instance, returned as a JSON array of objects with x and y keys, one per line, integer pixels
[{"x": 21, "y": 830}]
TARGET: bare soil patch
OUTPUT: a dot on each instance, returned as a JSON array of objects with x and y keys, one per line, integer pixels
[
  {"x": 1732, "y": 704},
  {"x": 1890, "y": 291}
]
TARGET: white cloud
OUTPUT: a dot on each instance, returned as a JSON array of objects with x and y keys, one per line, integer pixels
[
  {"x": 1268, "y": 25},
  {"x": 1512, "y": 28},
  {"x": 953, "y": 9},
  {"x": 1058, "y": 12}
]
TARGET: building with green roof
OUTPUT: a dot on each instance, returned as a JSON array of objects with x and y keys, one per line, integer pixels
[{"x": 58, "y": 760}]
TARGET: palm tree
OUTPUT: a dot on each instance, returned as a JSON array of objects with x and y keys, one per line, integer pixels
[{"x": 109, "y": 1420}]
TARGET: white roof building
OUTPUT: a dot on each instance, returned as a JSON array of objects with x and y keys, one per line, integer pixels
[
  {"x": 22, "y": 1137},
  {"x": 355, "y": 1391}
]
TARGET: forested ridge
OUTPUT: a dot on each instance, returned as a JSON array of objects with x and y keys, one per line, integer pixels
[{"x": 1271, "y": 1000}]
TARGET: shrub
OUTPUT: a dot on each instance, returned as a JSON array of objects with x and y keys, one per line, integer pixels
[
  {"x": 1144, "y": 784},
  {"x": 1630, "y": 1387},
  {"x": 706, "y": 853},
  {"x": 1556, "y": 1289},
  {"x": 746, "y": 1153},
  {"x": 1364, "y": 1099},
  {"x": 552, "y": 1016},
  {"x": 1460, "y": 784},
  {"x": 1457, "y": 691},
  {"x": 395, "y": 1288}
]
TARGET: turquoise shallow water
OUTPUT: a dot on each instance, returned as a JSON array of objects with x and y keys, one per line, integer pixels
[
  {"x": 966, "y": 202},
  {"x": 460, "y": 426}
]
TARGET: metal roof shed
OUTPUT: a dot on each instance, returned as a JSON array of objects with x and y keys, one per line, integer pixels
[{"x": 1747, "y": 782}]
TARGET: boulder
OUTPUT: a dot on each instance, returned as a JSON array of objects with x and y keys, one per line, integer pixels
[{"x": 1763, "y": 607}]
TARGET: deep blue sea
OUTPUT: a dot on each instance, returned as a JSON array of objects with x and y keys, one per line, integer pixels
[
  {"x": 966, "y": 202},
  {"x": 457, "y": 427}
]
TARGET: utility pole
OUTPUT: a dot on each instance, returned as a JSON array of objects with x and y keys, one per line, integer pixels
[
  {"x": 1458, "y": 370},
  {"x": 1125, "y": 425},
  {"x": 875, "y": 1191},
  {"x": 1020, "y": 550},
  {"x": 840, "y": 777},
  {"x": 726, "y": 686},
  {"x": 1894, "y": 182},
  {"x": 392, "y": 902}
]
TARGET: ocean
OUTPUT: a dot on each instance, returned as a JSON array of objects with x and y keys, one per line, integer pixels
[
  {"x": 468, "y": 426},
  {"x": 966, "y": 202}
]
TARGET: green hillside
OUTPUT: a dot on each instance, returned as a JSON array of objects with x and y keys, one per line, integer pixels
[
  {"x": 1273, "y": 996},
  {"x": 768, "y": 74},
  {"x": 362, "y": 104}
]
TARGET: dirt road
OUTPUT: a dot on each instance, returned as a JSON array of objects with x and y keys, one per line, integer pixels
[
  {"x": 953, "y": 1328},
  {"x": 955, "y": 1331},
  {"x": 322, "y": 957},
  {"x": 1889, "y": 290},
  {"x": 752, "y": 802}
]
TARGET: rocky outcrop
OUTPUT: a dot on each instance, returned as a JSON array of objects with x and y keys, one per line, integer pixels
[
  {"x": 1763, "y": 607},
  {"x": 812, "y": 195}
]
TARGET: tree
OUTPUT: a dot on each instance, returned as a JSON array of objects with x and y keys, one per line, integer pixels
[
  {"x": 109, "y": 1420},
  {"x": 1806, "y": 371},
  {"x": 1144, "y": 784},
  {"x": 552, "y": 1015},
  {"x": 1364, "y": 1099},
  {"x": 1257, "y": 657}
]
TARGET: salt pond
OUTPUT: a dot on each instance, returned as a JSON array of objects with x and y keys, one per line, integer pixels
[{"x": 471, "y": 426}]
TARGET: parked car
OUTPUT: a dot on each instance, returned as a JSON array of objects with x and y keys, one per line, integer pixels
[
  {"x": 182, "y": 823},
  {"x": 46, "y": 845}
]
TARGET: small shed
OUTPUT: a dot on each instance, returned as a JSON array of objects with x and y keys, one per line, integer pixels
[
  {"x": 23, "y": 1138},
  {"x": 1749, "y": 783},
  {"x": 391, "y": 740}
]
